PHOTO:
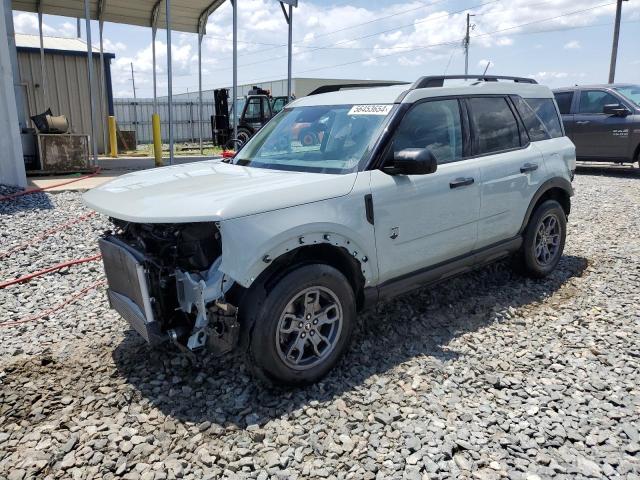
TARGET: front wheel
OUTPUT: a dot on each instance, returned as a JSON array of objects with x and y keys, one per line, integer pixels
[
  {"x": 544, "y": 240},
  {"x": 303, "y": 326}
]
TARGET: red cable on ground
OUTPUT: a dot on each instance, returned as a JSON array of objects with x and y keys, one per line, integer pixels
[
  {"x": 55, "y": 308},
  {"x": 46, "y": 233},
  {"x": 28, "y": 277},
  {"x": 36, "y": 190}
]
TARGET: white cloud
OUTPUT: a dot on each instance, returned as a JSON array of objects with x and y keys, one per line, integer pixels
[
  {"x": 24, "y": 22},
  {"x": 484, "y": 62},
  {"x": 572, "y": 45},
  {"x": 550, "y": 75}
]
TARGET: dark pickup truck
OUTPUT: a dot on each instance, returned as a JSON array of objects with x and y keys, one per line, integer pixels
[{"x": 603, "y": 121}]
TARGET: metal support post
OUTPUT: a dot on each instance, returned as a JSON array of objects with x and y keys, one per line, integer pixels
[
  {"x": 235, "y": 68},
  {"x": 43, "y": 71},
  {"x": 288, "y": 16},
  {"x": 200, "y": 35},
  {"x": 169, "y": 79},
  {"x": 94, "y": 143},
  {"x": 103, "y": 83},
  {"x": 155, "y": 117}
]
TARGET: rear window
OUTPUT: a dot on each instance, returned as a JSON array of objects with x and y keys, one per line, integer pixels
[
  {"x": 546, "y": 111},
  {"x": 564, "y": 99},
  {"x": 495, "y": 126},
  {"x": 535, "y": 128}
]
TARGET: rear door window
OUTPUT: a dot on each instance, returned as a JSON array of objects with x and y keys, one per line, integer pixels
[
  {"x": 564, "y": 99},
  {"x": 593, "y": 101},
  {"x": 535, "y": 128},
  {"x": 494, "y": 125},
  {"x": 546, "y": 111}
]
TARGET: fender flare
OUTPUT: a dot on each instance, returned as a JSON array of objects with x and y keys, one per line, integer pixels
[
  {"x": 556, "y": 182},
  {"x": 364, "y": 258}
]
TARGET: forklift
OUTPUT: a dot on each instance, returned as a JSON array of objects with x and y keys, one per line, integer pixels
[{"x": 259, "y": 107}]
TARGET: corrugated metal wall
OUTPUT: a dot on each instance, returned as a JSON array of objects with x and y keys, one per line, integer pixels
[
  {"x": 136, "y": 115},
  {"x": 301, "y": 87},
  {"x": 67, "y": 88}
]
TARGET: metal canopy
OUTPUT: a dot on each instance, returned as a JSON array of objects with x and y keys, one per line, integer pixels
[{"x": 186, "y": 15}]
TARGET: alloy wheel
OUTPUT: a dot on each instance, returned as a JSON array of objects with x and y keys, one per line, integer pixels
[
  {"x": 547, "y": 241},
  {"x": 309, "y": 328}
]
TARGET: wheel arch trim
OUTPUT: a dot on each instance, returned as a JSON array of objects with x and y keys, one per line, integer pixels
[
  {"x": 554, "y": 183},
  {"x": 266, "y": 257}
]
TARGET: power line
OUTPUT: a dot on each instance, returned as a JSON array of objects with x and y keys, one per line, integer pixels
[
  {"x": 456, "y": 42},
  {"x": 474, "y": 36},
  {"x": 357, "y": 25},
  {"x": 426, "y": 20}
]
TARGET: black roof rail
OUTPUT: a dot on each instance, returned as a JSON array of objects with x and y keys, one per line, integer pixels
[
  {"x": 438, "y": 80},
  {"x": 342, "y": 86}
]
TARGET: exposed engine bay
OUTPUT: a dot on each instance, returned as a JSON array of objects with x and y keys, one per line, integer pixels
[{"x": 185, "y": 288}]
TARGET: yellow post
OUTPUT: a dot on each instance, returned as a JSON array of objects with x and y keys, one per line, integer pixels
[
  {"x": 113, "y": 141},
  {"x": 157, "y": 139}
]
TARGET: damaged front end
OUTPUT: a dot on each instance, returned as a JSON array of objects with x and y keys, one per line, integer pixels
[{"x": 164, "y": 279}]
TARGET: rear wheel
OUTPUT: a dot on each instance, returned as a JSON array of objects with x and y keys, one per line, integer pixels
[
  {"x": 544, "y": 240},
  {"x": 303, "y": 326}
]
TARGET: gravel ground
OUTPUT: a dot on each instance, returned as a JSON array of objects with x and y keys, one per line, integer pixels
[{"x": 488, "y": 376}]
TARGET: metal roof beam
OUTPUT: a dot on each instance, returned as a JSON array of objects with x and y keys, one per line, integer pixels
[
  {"x": 155, "y": 14},
  {"x": 204, "y": 16},
  {"x": 101, "y": 6}
]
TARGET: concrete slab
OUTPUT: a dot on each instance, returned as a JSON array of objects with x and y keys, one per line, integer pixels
[{"x": 49, "y": 182}]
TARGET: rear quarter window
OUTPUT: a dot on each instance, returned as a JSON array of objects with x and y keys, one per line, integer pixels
[
  {"x": 545, "y": 109},
  {"x": 564, "y": 99},
  {"x": 535, "y": 127}
]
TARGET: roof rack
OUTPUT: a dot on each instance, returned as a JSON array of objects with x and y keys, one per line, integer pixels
[
  {"x": 438, "y": 80},
  {"x": 343, "y": 86}
]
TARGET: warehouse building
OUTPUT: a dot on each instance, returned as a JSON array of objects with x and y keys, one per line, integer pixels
[
  {"x": 65, "y": 90},
  {"x": 300, "y": 86}
]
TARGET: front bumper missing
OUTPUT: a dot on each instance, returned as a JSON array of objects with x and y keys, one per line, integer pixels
[{"x": 128, "y": 292}]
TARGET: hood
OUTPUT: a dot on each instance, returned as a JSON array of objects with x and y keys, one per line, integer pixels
[{"x": 209, "y": 191}]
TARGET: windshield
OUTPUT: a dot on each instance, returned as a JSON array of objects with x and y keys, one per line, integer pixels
[
  {"x": 631, "y": 92},
  {"x": 322, "y": 138}
]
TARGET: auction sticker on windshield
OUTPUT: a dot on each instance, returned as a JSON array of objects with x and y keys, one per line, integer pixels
[{"x": 370, "y": 109}]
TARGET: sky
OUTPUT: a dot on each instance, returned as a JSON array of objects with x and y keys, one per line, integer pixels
[{"x": 558, "y": 42}]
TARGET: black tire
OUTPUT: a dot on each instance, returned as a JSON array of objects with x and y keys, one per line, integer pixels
[
  {"x": 244, "y": 135},
  {"x": 267, "y": 344},
  {"x": 532, "y": 260}
]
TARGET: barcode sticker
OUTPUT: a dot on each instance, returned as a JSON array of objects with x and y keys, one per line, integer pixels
[{"x": 370, "y": 110}]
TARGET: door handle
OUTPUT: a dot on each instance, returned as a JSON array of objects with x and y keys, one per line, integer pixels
[
  {"x": 583, "y": 122},
  {"x": 461, "y": 182},
  {"x": 528, "y": 167}
]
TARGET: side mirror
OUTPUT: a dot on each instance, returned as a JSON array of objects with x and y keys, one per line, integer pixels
[
  {"x": 412, "y": 161},
  {"x": 615, "y": 109}
]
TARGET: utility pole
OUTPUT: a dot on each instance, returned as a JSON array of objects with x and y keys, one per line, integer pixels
[
  {"x": 133, "y": 82},
  {"x": 465, "y": 43},
  {"x": 614, "y": 48},
  {"x": 78, "y": 28}
]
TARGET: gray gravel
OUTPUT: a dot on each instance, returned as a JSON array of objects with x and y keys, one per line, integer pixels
[{"x": 488, "y": 376}]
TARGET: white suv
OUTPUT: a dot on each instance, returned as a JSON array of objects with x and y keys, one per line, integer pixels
[{"x": 388, "y": 189}]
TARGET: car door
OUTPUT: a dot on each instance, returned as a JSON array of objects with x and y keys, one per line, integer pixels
[
  {"x": 597, "y": 135},
  {"x": 423, "y": 220},
  {"x": 511, "y": 168}
]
